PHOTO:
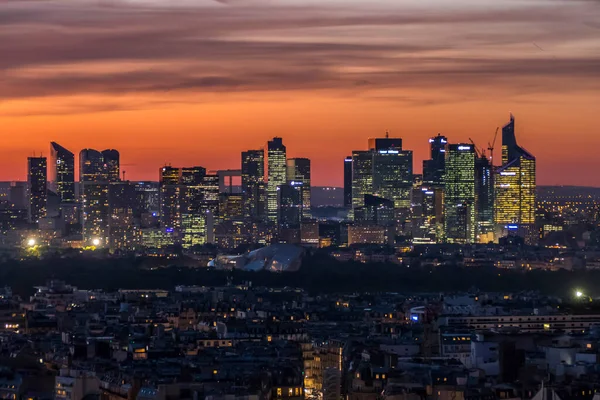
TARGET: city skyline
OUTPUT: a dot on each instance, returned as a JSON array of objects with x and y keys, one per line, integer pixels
[{"x": 159, "y": 86}]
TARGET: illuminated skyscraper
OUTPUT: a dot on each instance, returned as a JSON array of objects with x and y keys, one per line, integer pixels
[
  {"x": 515, "y": 188},
  {"x": 61, "y": 173},
  {"x": 94, "y": 195},
  {"x": 37, "y": 178},
  {"x": 459, "y": 199},
  {"x": 348, "y": 182},
  {"x": 123, "y": 234},
  {"x": 386, "y": 171},
  {"x": 275, "y": 169},
  {"x": 112, "y": 165},
  {"x": 253, "y": 184},
  {"x": 362, "y": 176},
  {"x": 434, "y": 168},
  {"x": 298, "y": 170}
]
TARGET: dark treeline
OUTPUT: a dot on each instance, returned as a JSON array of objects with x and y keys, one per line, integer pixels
[{"x": 319, "y": 274}]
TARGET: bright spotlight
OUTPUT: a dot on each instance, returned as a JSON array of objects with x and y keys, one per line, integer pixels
[
  {"x": 31, "y": 242},
  {"x": 579, "y": 294},
  {"x": 96, "y": 242}
]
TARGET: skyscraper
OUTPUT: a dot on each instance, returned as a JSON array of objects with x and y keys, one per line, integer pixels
[
  {"x": 62, "y": 172},
  {"x": 253, "y": 184},
  {"x": 37, "y": 178},
  {"x": 169, "y": 198},
  {"x": 386, "y": 171},
  {"x": 298, "y": 170},
  {"x": 484, "y": 198},
  {"x": 434, "y": 168},
  {"x": 348, "y": 182},
  {"x": 275, "y": 169},
  {"x": 459, "y": 199},
  {"x": 94, "y": 195},
  {"x": 515, "y": 188},
  {"x": 123, "y": 234},
  {"x": 112, "y": 164},
  {"x": 289, "y": 199}
]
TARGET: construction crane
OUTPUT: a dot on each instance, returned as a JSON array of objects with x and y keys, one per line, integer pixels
[
  {"x": 491, "y": 146},
  {"x": 478, "y": 152}
]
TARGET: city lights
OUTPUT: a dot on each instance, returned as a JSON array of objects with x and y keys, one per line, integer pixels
[{"x": 31, "y": 242}]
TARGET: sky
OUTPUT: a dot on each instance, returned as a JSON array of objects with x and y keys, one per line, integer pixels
[{"x": 195, "y": 82}]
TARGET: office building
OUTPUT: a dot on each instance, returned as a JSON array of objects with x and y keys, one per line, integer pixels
[
  {"x": 231, "y": 207},
  {"x": 459, "y": 198},
  {"x": 484, "y": 199},
  {"x": 94, "y": 195},
  {"x": 515, "y": 188},
  {"x": 275, "y": 170},
  {"x": 385, "y": 170},
  {"x": 428, "y": 214},
  {"x": 112, "y": 165},
  {"x": 298, "y": 170},
  {"x": 434, "y": 168},
  {"x": 362, "y": 176},
  {"x": 169, "y": 198},
  {"x": 37, "y": 180},
  {"x": 61, "y": 172},
  {"x": 123, "y": 233},
  {"x": 375, "y": 211},
  {"x": 289, "y": 202},
  {"x": 348, "y": 182},
  {"x": 253, "y": 184}
]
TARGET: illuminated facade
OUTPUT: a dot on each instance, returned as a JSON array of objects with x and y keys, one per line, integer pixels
[
  {"x": 37, "y": 180},
  {"x": 123, "y": 234},
  {"x": 112, "y": 164},
  {"x": 459, "y": 198},
  {"x": 515, "y": 188},
  {"x": 428, "y": 214},
  {"x": 253, "y": 184},
  {"x": 94, "y": 195},
  {"x": 231, "y": 207},
  {"x": 298, "y": 170},
  {"x": 170, "y": 194},
  {"x": 61, "y": 173},
  {"x": 276, "y": 170},
  {"x": 362, "y": 177},
  {"x": 386, "y": 171}
]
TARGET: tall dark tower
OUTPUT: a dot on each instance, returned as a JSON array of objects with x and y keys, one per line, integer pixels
[
  {"x": 298, "y": 171},
  {"x": 62, "y": 172},
  {"x": 348, "y": 182},
  {"x": 433, "y": 169},
  {"x": 37, "y": 179},
  {"x": 112, "y": 164},
  {"x": 253, "y": 184}
]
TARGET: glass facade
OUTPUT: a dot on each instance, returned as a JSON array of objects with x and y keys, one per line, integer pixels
[
  {"x": 298, "y": 170},
  {"x": 62, "y": 172},
  {"x": 37, "y": 178},
  {"x": 459, "y": 199},
  {"x": 276, "y": 171}
]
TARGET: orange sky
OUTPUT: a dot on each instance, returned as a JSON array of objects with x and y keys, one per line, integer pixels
[{"x": 163, "y": 88}]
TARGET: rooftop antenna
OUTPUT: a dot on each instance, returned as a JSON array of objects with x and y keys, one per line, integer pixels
[
  {"x": 387, "y": 134},
  {"x": 124, "y": 175}
]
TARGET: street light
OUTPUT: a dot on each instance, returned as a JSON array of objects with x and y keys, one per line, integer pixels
[
  {"x": 579, "y": 294},
  {"x": 31, "y": 242},
  {"x": 96, "y": 242}
]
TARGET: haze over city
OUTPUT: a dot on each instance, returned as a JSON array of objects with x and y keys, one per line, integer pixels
[{"x": 148, "y": 78}]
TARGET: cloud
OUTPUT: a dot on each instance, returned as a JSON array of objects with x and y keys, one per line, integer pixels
[{"x": 52, "y": 48}]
